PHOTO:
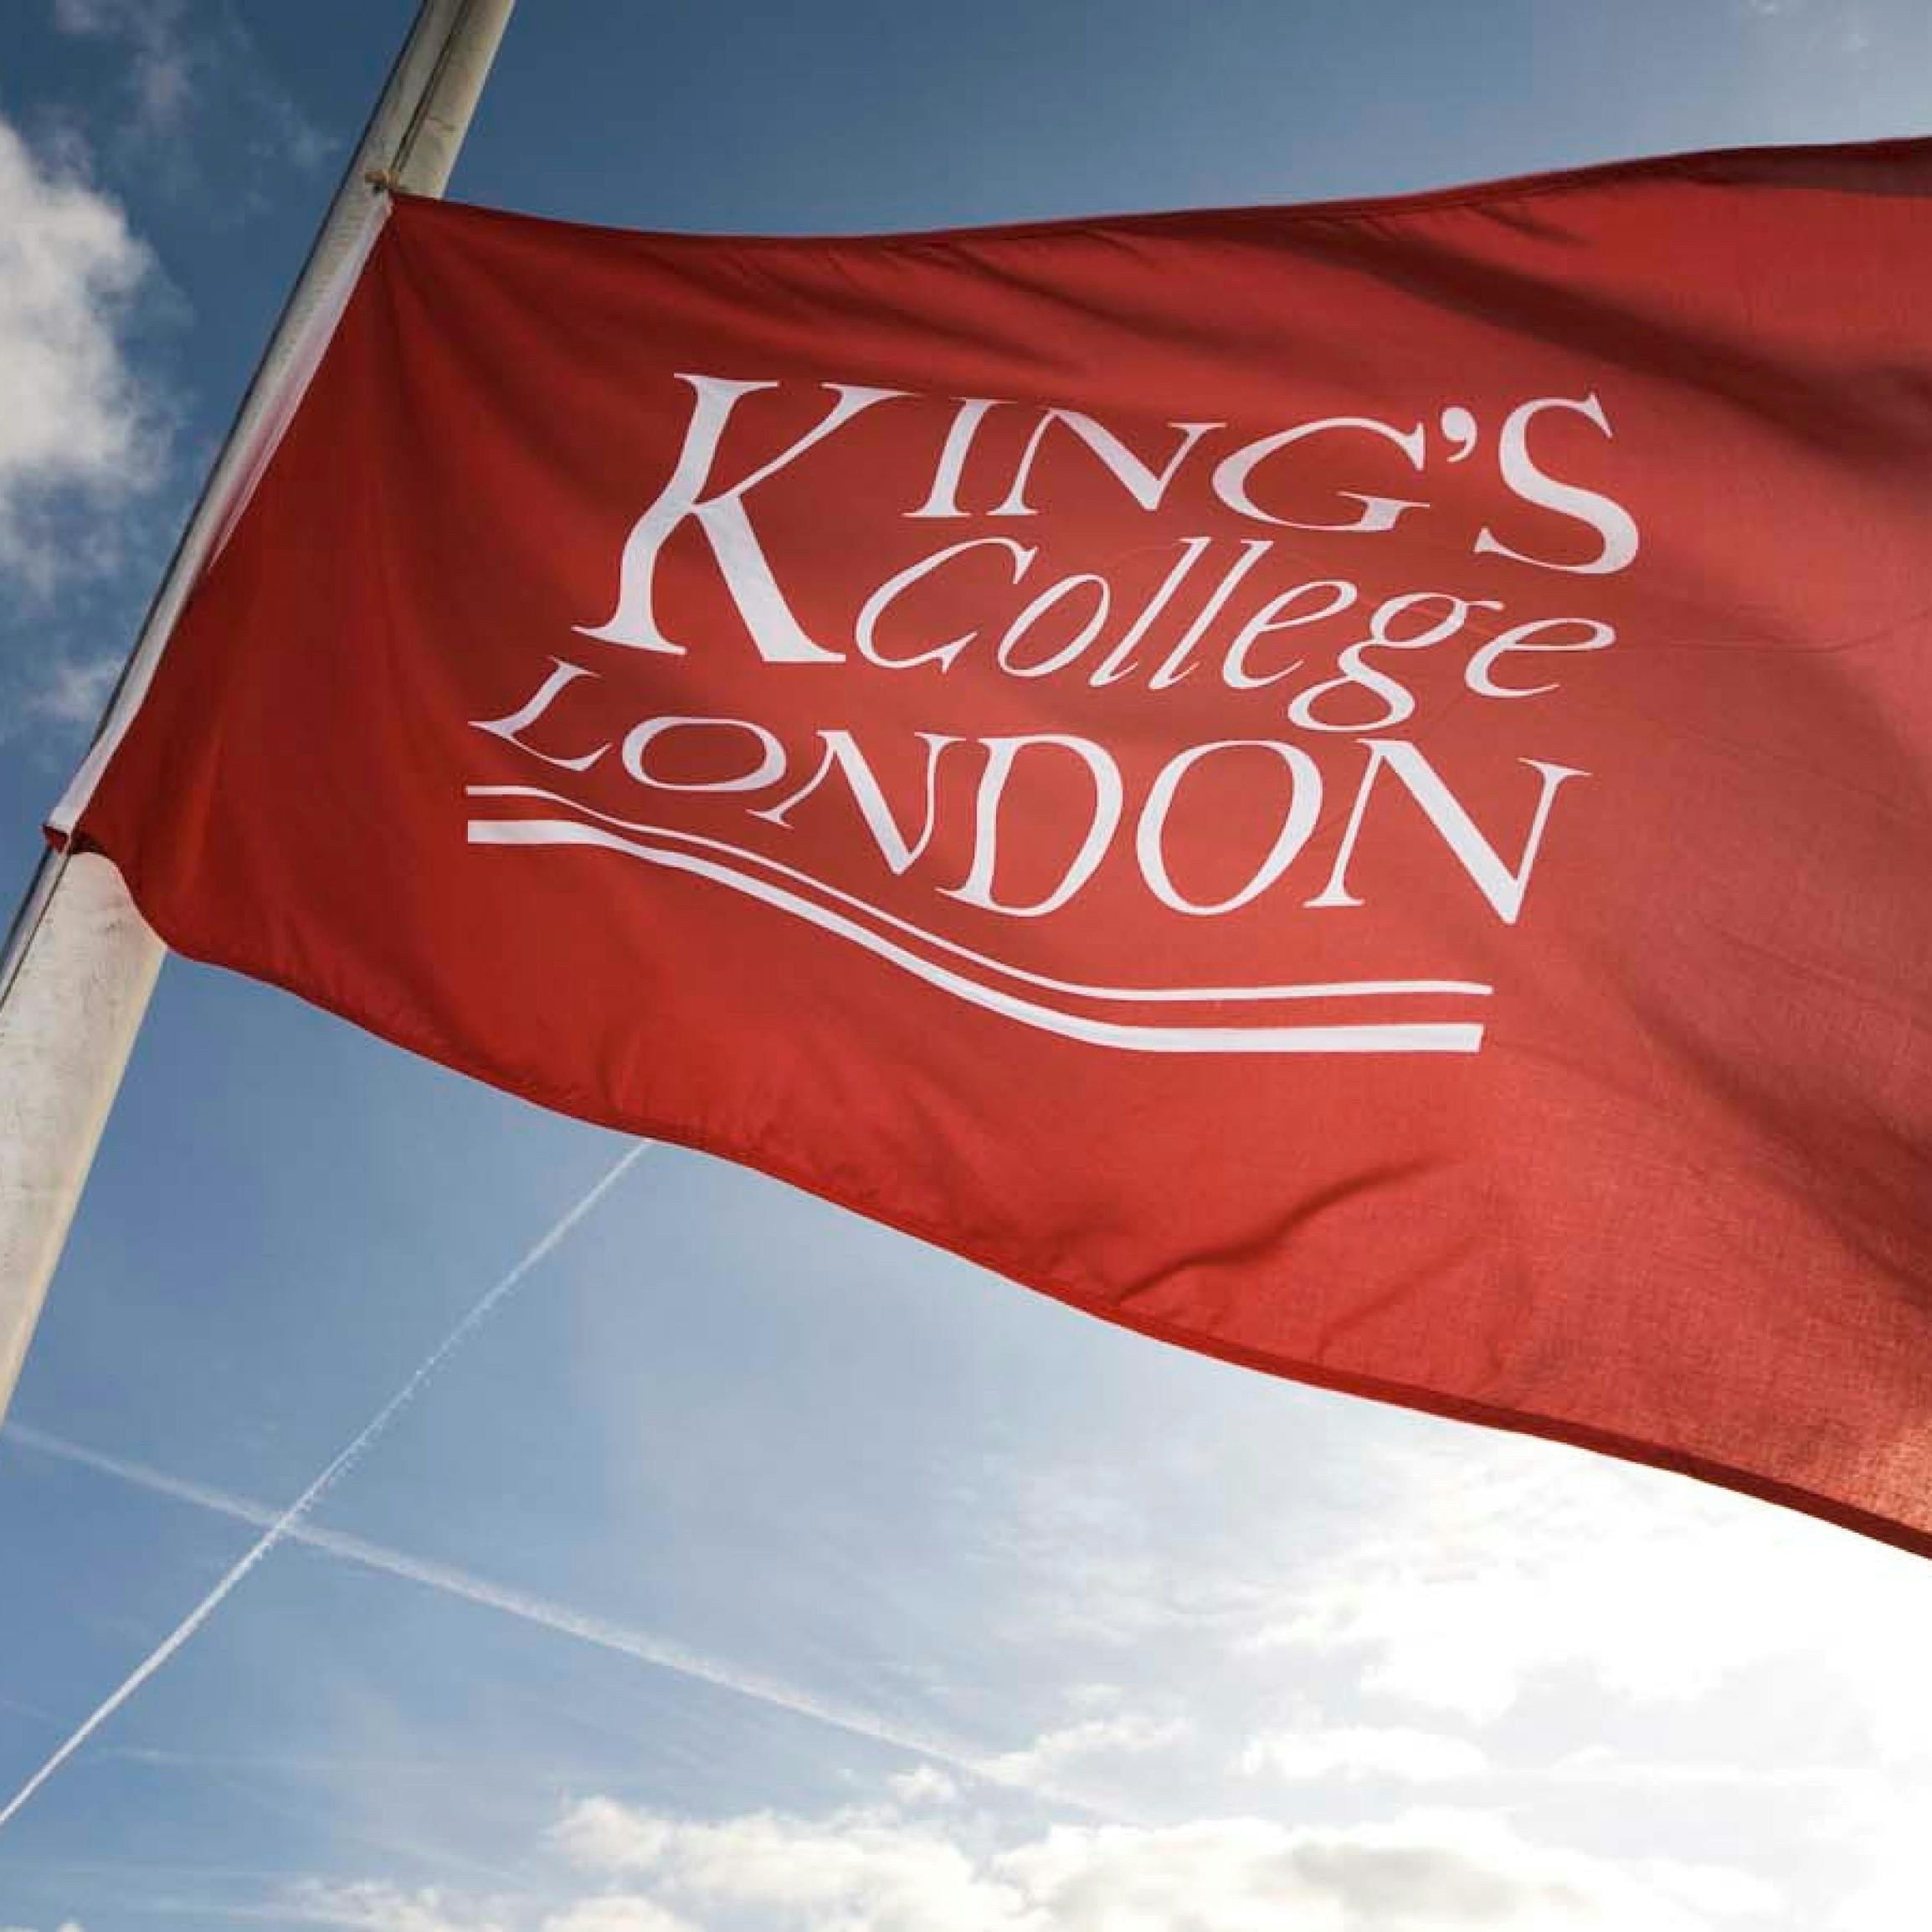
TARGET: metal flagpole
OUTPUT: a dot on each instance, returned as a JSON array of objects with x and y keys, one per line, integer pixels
[{"x": 80, "y": 961}]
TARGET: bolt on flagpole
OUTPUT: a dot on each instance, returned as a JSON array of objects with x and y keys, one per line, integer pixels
[{"x": 80, "y": 962}]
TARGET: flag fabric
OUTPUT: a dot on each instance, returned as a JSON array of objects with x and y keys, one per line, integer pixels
[{"x": 1350, "y": 786}]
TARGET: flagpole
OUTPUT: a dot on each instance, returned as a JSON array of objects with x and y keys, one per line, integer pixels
[{"x": 80, "y": 962}]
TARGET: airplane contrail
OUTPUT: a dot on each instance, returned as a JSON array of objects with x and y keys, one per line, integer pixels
[
  {"x": 283, "y": 1524},
  {"x": 643, "y": 1647}
]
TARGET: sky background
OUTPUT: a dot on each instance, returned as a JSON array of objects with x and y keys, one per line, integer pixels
[{"x": 756, "y": 1570}]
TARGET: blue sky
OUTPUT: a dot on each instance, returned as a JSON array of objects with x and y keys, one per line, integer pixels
[{"x": 755, "y": 1570}]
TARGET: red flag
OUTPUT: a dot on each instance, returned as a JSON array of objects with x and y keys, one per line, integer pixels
[{"x": 1345, "y": 786}]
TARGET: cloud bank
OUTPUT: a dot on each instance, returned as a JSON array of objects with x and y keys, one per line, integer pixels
[{"x": 875, "y": 1868}]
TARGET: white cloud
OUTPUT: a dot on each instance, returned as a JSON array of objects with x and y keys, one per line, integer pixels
[
  {"x": 77, "y": 429},
  {"x": 856, "y": 1869},
  {"x": 871, "y": 1871},
  {"x": 604, "y": 1836},
  {"x": 617, "y": 1912},
  {"x": 923, "y": 1784},
  {"x": 73, "y": 692},
  {"x": 1050, "y": 1756},
  {"x": 93, "y": 16},
  {"x": 174, "y": 71},
  {"x": 1521, "y": 1559},
  {"x": 1595, "y": 1764},
  {"x": 1356, "y": 1752},
  {"x": 1719, "y": 1891},
  {"x": 162, "y": 66},
  {"x": 1093, "y": 1697},
  {"x": 1446, "y": 1873},
  {"x": 1885, "y": 1831},
  {"x": 370, "y": 1907}
]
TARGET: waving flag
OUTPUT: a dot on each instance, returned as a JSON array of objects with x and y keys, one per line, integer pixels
[{"x": 1345, "y": 786}]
